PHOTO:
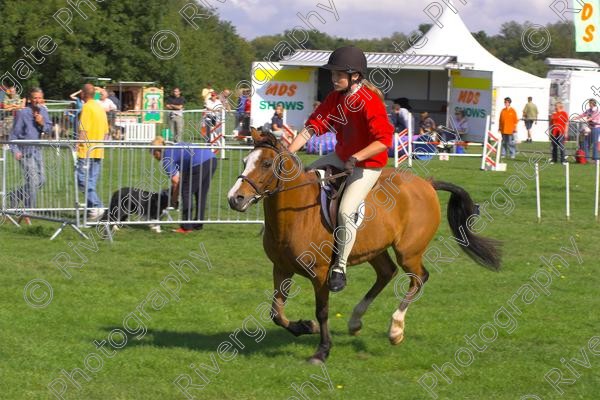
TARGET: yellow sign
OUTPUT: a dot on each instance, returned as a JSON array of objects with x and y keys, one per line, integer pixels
[{"x": 587, "y": 26}]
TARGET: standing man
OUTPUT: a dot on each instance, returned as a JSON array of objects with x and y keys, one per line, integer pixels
[
  {"x": 213, "y": 112},
  {"x": 30, "y": 123},
  {"x": 225, "y": 100},
  {"x": 93, "y": 126},
  {"x": 175, "y": 103},
  {"x": 530, "y": 114},
  {"x": 192, "y": 170},
  {"x": 508, "y": 127},
  {"x": 243, "y": 98},
  {"x": 206, "y": 92},
  {"x": 558, "y": 124},
  {"x": 397, "y": 119}
]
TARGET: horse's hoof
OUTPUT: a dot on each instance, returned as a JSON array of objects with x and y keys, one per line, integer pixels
[
  {"x": 354, "y": 329},
  {"x": 396, "y": 339},
  {"x": 316, "y": 361}
]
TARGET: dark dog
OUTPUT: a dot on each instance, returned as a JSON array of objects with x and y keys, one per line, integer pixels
[{"x": 129, "y": 201}]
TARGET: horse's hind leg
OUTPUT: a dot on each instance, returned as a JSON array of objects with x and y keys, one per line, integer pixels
[
  {"x": 385, "y": 270},
  {"x": 297, "y": 328},
  {"x": 418, "y": 276}
]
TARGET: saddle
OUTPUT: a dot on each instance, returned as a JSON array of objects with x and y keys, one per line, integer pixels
[{"x": 331, "y": 194}]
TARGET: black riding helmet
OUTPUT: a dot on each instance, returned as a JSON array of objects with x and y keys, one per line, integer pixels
[{"x": 349, "y": 59}]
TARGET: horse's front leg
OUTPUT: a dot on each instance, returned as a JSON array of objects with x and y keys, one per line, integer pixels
[
  {"x": 297, "y": 328},
  {"x": 322, "y": 311}
]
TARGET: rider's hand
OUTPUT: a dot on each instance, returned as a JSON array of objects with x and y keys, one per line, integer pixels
[{"x": 350, "y": 165}]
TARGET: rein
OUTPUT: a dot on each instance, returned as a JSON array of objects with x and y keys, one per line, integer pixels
[{"x": 266, "y": 193}]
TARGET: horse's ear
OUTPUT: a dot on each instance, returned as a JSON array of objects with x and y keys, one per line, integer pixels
[
  {"x": 270, "y": 138},
  {"x": 256, "y": 135}
]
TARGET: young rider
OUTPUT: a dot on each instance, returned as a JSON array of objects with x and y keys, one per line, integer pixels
[{"x": 356, "y": 113}]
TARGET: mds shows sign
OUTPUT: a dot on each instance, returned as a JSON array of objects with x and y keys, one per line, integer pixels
[
  {"x": 471, "y": 92},
  {"x": 292, "y": 87}
]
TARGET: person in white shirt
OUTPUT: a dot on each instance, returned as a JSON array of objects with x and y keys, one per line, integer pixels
[
  {"x": 106, "y": 103},
  {"x": 213, "y": 110}
]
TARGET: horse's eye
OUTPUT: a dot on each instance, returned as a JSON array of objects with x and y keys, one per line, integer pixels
[{"x": 267, "y": 163}]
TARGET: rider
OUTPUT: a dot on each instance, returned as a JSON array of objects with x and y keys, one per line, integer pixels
[{"x": 356, "y": 113}]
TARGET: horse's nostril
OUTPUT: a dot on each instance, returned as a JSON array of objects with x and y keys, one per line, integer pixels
[{"x": 239, "y": 199}]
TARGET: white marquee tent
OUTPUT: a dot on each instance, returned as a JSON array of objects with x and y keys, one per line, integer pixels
[{"x": 453, "y": 38}]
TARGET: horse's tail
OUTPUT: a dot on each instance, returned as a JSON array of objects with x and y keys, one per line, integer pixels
[{"x": 484, "y": 251}]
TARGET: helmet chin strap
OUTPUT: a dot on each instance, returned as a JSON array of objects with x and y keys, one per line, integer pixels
[{"x": 352, "y": 82}]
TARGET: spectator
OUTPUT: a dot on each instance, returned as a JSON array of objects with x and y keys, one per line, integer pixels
[
  {"x": 508, "y": 127},
  {"x": 461, "y": 123},
  {"x": 213, "y": 108},
  {"x": 277, "y": 119},
  {"x": 530, "y": 114},
  {"x": 316, "y": 105},
  {"x": 12, "y": 100},
  {"x": 176, "y": 103},
  {"x": 426, "y": 125},
  {"x": 558, "y": 124},
  {"x": 193, "y": 171},
  {"x": 240, "y": 111},
  {"x": 93, "y": 127},
  {"x": 30, "y": 123},
  {"x": 106, "y": 103},
  {"x": 592, "y": 118},
  {"x": 206, "y": 92},
  {"x": 76, "y": 113},
  {"x": 224, "y": 98},
  {"x": 110, "y": 108},
  {"x": 113, "y": 97},
  {"x": 399, "y": 118},
  {"x": 246, "y": 118},
  {"x": 404, "y": 103}
]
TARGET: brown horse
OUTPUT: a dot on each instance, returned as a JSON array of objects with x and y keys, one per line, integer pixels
[{"x": 405, "y": 215}]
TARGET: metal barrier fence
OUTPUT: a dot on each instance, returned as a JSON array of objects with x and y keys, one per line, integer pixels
[
  {"x": 38, "y": 182},
  {"x": 128, "y": 182}
]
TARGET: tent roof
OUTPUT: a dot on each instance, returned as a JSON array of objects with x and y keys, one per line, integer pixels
[
  {"x": 455, "y": 38},
  {"x": 316, "y": 58}
]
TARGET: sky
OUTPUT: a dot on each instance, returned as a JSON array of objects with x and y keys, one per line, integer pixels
[{"x": 373, "y": 18}]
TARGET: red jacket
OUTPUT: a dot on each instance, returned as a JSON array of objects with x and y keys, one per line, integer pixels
[
  {"x": 357, "y": 120},
  {"x": 558, "y": 122}
]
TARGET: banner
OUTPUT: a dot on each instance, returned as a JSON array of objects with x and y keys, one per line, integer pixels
[
  {"x": 587, "y": 25},
  {"x": 471, "y": 93},
  {"x": 292, "y": 87}
]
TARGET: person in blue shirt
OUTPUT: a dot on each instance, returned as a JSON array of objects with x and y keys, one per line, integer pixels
[
  {"x": 191, "y": 169},
  {"x": 30, "y": 123}
]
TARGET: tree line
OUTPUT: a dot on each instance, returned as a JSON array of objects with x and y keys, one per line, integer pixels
[{"x": 51, "y": 44}]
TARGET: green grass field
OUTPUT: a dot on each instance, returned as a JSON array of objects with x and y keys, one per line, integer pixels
[{"x": 118, "y": 288}]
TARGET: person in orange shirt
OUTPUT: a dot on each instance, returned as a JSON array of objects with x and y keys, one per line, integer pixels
[
  {"x": 558, "y": 126},
  {"x": 508, "y": 127}
]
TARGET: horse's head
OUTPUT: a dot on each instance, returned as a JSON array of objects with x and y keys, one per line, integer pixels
[{"x": 266, "y": 169}]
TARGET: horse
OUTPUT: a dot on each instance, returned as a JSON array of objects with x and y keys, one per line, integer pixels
[{"x": 297, "y": 241}]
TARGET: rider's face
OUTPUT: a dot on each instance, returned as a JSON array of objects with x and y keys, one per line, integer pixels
[{"x": 340, "y": 80}]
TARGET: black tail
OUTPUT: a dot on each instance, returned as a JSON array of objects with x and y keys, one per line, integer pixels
[{"x": 484, "y": 251}]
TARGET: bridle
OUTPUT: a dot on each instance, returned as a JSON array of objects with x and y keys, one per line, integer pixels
[{"x": 260, "y": 194}]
